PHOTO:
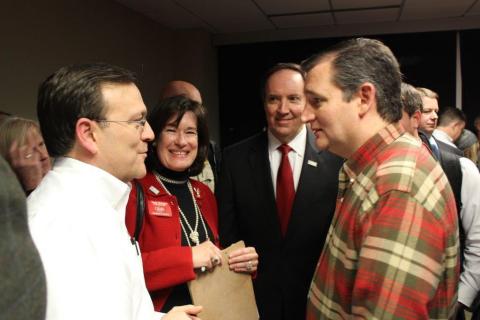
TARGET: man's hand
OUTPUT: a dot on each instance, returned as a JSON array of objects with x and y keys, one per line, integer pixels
[{"x": 187, "y": 312}]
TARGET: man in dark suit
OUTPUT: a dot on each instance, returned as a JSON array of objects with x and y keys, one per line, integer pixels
[
  {"x": 464, "y": 179},
  {"x": 282, "y": 208},
  {"x": 429, "y": 121}
]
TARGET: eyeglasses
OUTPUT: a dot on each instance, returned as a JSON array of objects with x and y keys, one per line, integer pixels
[{"x": 139, "y": 124}]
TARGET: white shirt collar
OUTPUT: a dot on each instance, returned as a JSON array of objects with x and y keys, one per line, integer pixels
[
  {"x": 443, "y": 136},
  {"x": 101, "y": 183},
  {"x": 297, "y": 143}
]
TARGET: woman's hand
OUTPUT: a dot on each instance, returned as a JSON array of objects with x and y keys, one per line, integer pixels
[
  {"x": 243, "y": 260},
  {"x": 25, "y": 162},
  {"x": 187, "y": 312},
  {"x": 206, "y": 255}
]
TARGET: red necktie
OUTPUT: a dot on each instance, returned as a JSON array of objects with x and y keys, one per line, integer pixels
[{"x": 285, "y": 189}]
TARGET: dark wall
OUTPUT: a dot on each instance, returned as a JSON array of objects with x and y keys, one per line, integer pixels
[
  {"x": 470, "y": 73},
  {"x": 427, "y": 59}
]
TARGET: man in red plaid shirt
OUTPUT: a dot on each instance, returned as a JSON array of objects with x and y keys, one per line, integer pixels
[{"x": 392, "y": 247}]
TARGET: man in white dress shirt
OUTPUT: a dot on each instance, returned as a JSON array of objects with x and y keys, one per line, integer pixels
[
  {"x": 469, "y": 189},
  {"x": 450, "y": 126},
  {"x": 92, "y": 119}
]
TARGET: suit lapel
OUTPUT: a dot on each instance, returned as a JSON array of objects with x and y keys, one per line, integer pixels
[
  {"x": 308, "y": 177},
  {"x": 260, "y": 168}
]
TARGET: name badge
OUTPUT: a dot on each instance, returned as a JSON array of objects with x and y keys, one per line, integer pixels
[{"x": 159, "y": 208}]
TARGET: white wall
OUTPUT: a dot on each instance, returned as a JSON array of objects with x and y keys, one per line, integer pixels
[{"x": 38, "y": 37}]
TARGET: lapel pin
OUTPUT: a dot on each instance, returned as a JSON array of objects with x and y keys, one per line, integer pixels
[
  {"x": 312, "y": 163},
  {"x": 154, "y": 190}
]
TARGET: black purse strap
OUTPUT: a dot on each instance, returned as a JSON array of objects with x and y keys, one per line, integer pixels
[{"x": 140, "y": 212}]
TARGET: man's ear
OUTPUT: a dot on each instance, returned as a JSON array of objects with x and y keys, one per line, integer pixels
[
  {"x": 459, "y": 124},
  {"x": 86, "y": 132},
  {"x": 458, "y": 128},
  {"x": 417, "y": 115},
  {"x": 366, "y": 93}
]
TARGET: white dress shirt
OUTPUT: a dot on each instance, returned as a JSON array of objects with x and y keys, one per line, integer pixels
[
  {"x": 77, "y": 221},
  {"x": 470, "y": 220},
  {"x": 295, "y": 157},
  {"x": 444, "y": 137}
]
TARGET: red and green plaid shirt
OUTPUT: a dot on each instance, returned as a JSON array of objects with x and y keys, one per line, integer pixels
[{"x": 392, "y": 247}]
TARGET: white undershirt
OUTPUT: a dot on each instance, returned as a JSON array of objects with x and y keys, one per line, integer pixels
[{"x": 295, "y": 157}]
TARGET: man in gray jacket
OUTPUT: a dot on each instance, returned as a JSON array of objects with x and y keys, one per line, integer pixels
[{"x": 22, "y": 280}]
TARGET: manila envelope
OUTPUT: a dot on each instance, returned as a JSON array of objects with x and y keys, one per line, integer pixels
[{"x": 224, "y": 294}]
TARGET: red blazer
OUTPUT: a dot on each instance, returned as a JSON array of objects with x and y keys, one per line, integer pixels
[{"x": 165, "y": 262}]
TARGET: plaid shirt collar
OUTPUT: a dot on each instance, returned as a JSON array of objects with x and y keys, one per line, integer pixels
[{"x": 365, "y": 155}]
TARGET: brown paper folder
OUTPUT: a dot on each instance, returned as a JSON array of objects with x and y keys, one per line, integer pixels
[{"x": 224, "y": 294}]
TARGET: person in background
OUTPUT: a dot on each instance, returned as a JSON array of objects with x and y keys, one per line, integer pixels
[
  {"x": 4, "y": 115},
  {"x": 450, "y": 125},
  {"x": 211, "y": 168},
  {"x": 469, "y": 214},
  {"x": 468, "y": 143},
  {"x": 429, "y": 122},
  {"x": 392, "y": 247},
  {"x": 476, "y": 125},
  {"x": 181, "y": 88},
  {"x": 277, "y": 193},
  {"x": 92, "y": 118},
  {"x": 179, "y": 235},
  {"x": 21, "y": 144},
  {"x": 463, "y": 175},
  {"x": 411, "y": 109},
  {"x": 23, "y": 291}
]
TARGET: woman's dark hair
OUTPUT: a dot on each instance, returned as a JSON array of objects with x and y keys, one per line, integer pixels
[{"x": 177, "y": 106}]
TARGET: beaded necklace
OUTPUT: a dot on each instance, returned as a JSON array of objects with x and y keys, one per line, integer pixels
[{"x": 194, "y": 235}]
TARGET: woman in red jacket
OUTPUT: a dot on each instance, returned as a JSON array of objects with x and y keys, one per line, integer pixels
[{"x": 179, "y": 236}]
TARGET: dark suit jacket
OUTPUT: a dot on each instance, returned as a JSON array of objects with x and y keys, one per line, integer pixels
[
  {"x": 448, "y": 148},
  {"x": 450, "y": 163},
  {"x": 22, "y": 280},
  {"x": 247, "y": 211},
  {"x": 214, "y": 157}
]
